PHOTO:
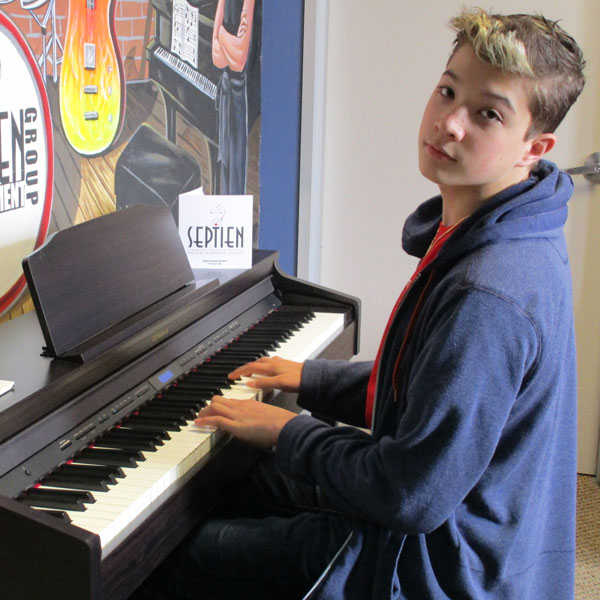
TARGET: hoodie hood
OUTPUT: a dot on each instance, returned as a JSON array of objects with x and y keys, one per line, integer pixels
[{"x": 536, "y": 207}]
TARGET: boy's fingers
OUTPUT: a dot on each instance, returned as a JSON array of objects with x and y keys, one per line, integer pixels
[
  {"x": 262, "y": 366},
  {"x": 217, "y": 406}
]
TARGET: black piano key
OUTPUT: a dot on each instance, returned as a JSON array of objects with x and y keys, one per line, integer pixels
[
  {"x": 283, "y": 329},
  {"x": 199, "y": 387},
  {"x": 264, "y": 347},
  {"x": 263, "y": 336},
  {"x": 232, "y": 362},
  {"x": 200, "y": 381},
  {"x": 255, "y": 341},
  {"x": 125, "y": 444},
  {"x": 76, "y": 481},
  {"x": 208, "y": 368},
  {"x": 234, "y": 352},
  {"x": 58, "y": 499},
  {"x": 187, "y": 400},
  {"x": 166, "y": 424},
  {"x": 289, "y": 310},
  {"x": 109, "y": 472},
  {"x": 289, "y": 316},
  {"x": 169, "y": 412},
  {"x": 107, "y": 456},
  {"x": 57, "y": 514},
  {"x": 119, "y": 433},
  {"x": 175, "y": 395},
  {"x": 145, "y": 426}
]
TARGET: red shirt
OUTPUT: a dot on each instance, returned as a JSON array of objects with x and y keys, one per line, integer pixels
[{"x": 441, "y": 237}]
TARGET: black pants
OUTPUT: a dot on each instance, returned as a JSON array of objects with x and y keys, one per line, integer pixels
[{"x": 273, "y": 540}]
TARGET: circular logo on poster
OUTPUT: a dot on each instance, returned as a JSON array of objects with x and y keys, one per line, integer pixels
[{"x": 26, "y": 160}]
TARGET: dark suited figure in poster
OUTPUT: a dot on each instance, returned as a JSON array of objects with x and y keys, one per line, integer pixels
[{"x": 232, "y": 37}]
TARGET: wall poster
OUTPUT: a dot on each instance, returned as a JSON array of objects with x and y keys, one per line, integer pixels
[{"x": 107, "y": 103}]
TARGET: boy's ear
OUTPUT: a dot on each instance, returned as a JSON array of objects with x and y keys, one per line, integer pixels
[{"x": 537, "y": 146}]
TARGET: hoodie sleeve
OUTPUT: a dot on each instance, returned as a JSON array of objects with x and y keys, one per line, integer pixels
[
  {"x": 443, "y": 433},
  {"x": 336, "y": 388}
]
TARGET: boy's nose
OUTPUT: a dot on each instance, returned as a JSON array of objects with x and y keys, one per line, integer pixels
[{"x": 453, "y": 123}]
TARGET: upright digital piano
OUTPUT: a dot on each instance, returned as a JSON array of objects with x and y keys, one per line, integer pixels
[{"x": 102, "y": 469}]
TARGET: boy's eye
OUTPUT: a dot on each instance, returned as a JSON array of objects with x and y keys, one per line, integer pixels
[
  {"x": 446, "y": 92},
  {"x": 491, "y": 115}
]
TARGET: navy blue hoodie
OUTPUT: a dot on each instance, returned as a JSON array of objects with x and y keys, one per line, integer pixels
[{"x": 465, "y": 486}]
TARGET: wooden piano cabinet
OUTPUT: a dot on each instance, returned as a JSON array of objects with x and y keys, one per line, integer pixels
[{"x": 42, "y": 557}]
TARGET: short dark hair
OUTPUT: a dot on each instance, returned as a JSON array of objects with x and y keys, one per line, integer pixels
[{"x": 533, "y": 47}]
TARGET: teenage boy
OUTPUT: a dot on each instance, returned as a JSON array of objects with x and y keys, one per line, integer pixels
[{"x": 464, "y": 487}]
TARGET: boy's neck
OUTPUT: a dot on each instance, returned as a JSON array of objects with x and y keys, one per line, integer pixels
[{"x": 458, "y": 202}]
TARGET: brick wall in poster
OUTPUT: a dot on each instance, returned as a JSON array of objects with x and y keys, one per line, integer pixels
[{"x": 47, "y": 22}]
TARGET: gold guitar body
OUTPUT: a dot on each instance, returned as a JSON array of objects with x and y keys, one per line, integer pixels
[{"x": 92, "y": 90}]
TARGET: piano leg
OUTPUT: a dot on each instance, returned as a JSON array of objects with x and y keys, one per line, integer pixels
[{"x": 170, "y": 117}]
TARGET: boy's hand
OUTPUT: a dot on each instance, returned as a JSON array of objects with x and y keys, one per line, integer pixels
[
  {"x": 275, "y": 373},
  {"x": 248, "y": 420}
]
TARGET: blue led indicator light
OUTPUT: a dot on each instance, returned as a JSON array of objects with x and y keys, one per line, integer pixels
[{"x": 166, "y": 376}]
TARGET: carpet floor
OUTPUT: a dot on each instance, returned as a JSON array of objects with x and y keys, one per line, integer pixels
[{"x": 587, "y": 569}]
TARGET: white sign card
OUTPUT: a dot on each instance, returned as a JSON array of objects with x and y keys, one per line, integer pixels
[{"x": 216, "y": 231}]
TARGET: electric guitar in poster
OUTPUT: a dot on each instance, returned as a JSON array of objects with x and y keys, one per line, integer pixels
[{"x": 92, "y": 87}]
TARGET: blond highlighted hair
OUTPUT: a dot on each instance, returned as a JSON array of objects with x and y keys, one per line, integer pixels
[{"x": 533, "y": 47}]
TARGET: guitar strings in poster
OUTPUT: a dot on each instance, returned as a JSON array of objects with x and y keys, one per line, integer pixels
[{"x": 216, "y": 231}]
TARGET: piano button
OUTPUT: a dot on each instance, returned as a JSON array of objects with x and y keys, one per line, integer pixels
[{"x": 57, "y": 499}]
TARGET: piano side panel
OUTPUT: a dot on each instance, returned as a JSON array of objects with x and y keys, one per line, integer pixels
[{"x": 42, "y": 557}]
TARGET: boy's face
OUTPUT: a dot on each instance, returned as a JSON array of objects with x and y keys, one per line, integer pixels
[{"x": 472, "y": 136}]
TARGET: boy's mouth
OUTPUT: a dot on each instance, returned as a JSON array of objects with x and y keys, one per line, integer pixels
[{"x": 438, "y": 153}]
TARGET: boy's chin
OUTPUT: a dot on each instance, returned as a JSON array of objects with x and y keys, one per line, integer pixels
[{"x": 429, "y": 174}]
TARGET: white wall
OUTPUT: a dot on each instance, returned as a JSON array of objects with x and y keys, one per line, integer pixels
[{"x": 383, "y": 59}]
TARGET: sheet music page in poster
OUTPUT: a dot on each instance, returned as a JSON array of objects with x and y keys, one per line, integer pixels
[{"x": 184, "y": 33}]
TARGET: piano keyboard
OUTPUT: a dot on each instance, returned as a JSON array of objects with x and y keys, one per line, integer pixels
[
  {"x": 111, "y": 487},
  {"x": 205, "y": 85}
]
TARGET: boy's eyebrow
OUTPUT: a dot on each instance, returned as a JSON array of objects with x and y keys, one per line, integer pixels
[{"x": 504, "y": 99}]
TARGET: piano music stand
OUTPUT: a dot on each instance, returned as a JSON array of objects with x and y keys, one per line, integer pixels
[{"x": 96, "y": 284}]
